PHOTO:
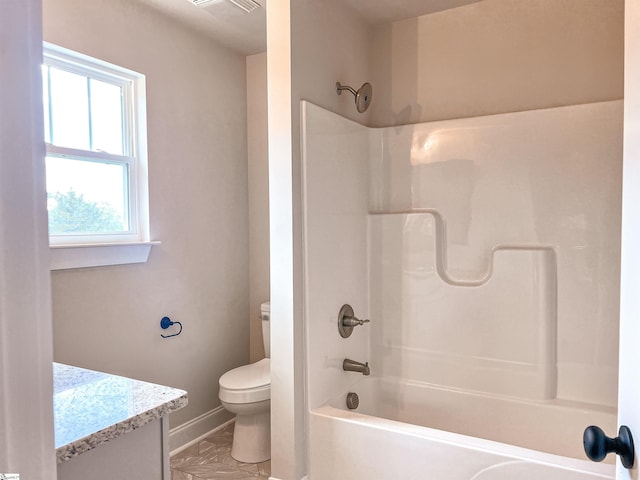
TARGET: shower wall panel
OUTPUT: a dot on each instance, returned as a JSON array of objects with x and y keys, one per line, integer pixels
[
  {"x": 485, "y": 251},
  {"x": 335, "y": 199},
  {"x": 537, "y": 179}
]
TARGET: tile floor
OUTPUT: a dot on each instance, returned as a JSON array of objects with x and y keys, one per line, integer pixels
[{"x": 210, "y": 459}]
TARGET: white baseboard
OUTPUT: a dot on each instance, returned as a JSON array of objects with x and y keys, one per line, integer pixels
[{"x": 191, "y": 432}]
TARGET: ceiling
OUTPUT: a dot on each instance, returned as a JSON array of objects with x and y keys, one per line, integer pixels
[
  {"x": 384, "y": 11},
  {"x": 242, "y": 32},
  {"x": 245, "y": 33}
]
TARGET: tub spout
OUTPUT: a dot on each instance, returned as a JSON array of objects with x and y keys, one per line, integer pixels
[{"x": 349, "y": 365}]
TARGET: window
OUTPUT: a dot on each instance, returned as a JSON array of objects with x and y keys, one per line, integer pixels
[{"x": 94, "y": 122}]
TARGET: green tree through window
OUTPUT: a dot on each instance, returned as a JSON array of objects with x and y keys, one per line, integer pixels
[{"x": 70, "y": 212}]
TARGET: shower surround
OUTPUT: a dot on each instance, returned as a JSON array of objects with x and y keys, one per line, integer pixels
[{"x": 485, "y": 251}]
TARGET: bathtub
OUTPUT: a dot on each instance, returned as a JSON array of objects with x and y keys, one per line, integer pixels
[{"x": 408, "y": 431}]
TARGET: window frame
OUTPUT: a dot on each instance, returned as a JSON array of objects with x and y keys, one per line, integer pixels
[{"x": 83, "y": 250}]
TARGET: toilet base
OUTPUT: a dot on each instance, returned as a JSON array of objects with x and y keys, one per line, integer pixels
[{"x": 252, "y": 438}]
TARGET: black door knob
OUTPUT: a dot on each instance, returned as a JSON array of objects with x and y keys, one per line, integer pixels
[{"x": 597, "y": 445}]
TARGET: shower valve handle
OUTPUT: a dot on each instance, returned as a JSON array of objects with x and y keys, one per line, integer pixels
[
  {"x": 347, "y": 320},
  {"x": 597, "y": 445}
]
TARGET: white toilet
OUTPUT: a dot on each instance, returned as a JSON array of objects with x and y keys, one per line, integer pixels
[{"x": 246, "y": 391}]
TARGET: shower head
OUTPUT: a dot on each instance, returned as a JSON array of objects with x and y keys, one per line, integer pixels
[{"x": 363, "y": 95}]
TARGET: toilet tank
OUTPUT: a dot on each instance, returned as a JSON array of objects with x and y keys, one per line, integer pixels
[{"x": 265, "y": 316}]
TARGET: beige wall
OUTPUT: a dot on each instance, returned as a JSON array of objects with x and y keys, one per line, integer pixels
[
  {"x": 26, "y": 416},
  {"x": 258, "y": 158},
  {"x": 108, "y": 318},
  {"x": 497, "y": 56},
  {"x": 330, "y": 44},
  {"x": 312, "y": 44}
]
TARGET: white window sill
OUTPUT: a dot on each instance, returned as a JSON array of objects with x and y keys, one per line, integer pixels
[{"x": 64, "y": 257}]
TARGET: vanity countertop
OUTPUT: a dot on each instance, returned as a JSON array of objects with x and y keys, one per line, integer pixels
[{"x": 91, "y": 407}]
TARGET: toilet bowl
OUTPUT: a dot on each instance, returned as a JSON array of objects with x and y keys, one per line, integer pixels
[{"x": 246, "y": 391}]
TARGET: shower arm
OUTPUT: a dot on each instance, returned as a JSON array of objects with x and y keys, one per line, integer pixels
[{"x": 340, "y": 88}]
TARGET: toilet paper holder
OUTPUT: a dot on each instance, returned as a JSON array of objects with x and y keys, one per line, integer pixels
[{"x": 165, "y": 323}]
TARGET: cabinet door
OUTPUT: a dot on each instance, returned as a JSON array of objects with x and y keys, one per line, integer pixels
[{"x": 137, "y": 455}]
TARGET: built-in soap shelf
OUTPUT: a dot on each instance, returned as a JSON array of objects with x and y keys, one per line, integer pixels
[{"x": 441, "y": 251}]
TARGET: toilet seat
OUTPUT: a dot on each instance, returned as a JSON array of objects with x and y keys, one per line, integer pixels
[{"x": 247, "y": 384}]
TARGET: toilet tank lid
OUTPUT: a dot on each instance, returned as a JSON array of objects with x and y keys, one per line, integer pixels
[{"x": 265, "y": 307}]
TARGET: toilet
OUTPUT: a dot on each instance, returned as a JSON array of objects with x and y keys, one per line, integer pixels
[{"x": 246, "y": 391}]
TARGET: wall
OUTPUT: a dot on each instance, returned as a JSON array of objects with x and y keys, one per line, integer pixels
[
  {"x": 311, "y": 45},
  {"x": 108, "y": 318},
  {"x": 330, "y": 44},
  {"x": 26, "y": 416},
  {"x": 497, "y": 56},
  {"x": 258, "y": 158}
]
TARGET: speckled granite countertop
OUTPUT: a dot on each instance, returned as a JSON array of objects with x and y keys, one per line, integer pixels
[{"x": 91, "y": 407}]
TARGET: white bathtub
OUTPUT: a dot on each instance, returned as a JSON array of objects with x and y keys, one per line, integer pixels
[{"x": 411, "y": 431}]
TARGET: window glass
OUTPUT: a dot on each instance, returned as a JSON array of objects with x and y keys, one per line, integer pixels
[
  {"x": 46, "y": 105},
  {"x": 86, "y": 196},
  {"x": 69, "y": 109},
  {"x": 106, "y": 117}
]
